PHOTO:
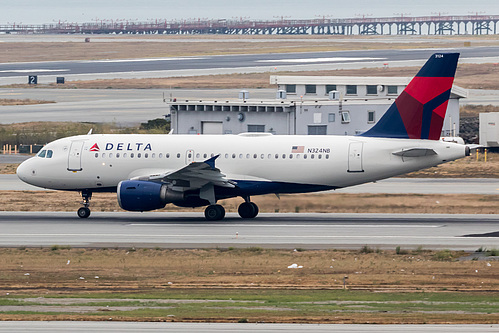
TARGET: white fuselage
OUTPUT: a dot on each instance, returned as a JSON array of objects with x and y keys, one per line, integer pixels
[{"x": 100, "y": 162}]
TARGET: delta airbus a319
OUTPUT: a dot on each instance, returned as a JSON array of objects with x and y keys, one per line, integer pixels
[{"x": 150, "y": 171}]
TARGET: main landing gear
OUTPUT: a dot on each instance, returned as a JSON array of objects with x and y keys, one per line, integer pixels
[
  {"x": 247, "y": 210},
  {"x": 84, "y": 212}
]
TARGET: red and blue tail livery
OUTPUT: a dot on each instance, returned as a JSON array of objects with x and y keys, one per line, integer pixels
[{"x": 419, "y": 111}]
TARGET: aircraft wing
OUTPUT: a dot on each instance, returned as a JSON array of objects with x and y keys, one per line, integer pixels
[{"x": 192, "y": 176}]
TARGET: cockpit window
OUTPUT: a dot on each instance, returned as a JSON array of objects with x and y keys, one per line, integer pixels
[{"x": 45, "y": 154}]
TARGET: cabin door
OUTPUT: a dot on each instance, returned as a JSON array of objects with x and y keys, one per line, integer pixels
[{"x": 74, "y": 158}]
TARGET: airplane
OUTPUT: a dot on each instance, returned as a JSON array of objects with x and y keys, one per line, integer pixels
[{"x": 150, "y": 171}]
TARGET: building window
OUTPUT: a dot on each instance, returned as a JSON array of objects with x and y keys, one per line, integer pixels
[
  {"x": 317, "y": 129},
  {"x": 291, "y": 88},
  {"x": 351, "y": 90},
  {"x": 371, "y": 117},
  {"x": 392, "y": 90},
  {"x": 331, "y": 117},
  {"x": 345, "y": 117},
  {"x": 372, "y": 90},
  {"x": 330, "y": 87},
  {"x": 256, "y": 128},
  {"x": 310, "y": 89}
]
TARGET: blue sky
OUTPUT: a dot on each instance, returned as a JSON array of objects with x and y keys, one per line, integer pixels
[{"x": 48, "y": 11}]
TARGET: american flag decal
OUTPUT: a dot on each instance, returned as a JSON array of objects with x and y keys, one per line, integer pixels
[{"x": 297, "y": 149}]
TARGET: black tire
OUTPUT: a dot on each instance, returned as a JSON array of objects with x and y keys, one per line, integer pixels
[
  {"x": 214, "y": 213},
  {"x": 248, "y": 210},
  {"x": 255, "y": 209},
  {"x": 83, "y": 212}
]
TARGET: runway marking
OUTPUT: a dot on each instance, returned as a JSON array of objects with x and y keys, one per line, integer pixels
[
  {"x": 33, "y": 70},
  {"x": 292, "y": 225},
  {"x": 309, "y": 60},
  {"x": 241, "y": 236},
  {"x": 143, "y": 60}
]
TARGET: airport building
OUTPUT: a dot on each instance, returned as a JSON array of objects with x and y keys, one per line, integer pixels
[{"x": 305, "y": 105}]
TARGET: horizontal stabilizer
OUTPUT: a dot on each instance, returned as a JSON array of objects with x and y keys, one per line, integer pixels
[{"x": 415, "y": 152}]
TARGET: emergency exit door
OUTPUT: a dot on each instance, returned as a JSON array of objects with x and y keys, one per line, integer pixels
[{"x": 355, "y": 157}]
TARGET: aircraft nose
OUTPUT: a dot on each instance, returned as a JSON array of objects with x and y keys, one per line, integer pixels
[{"x": 25, "y": 171}]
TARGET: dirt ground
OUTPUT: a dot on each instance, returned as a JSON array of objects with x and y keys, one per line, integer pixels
[
  {"x": 59, "y": 270},
  {"x": 254, "y": 284},
  {"x": 126, "y": 47},
  {"x": 303, "y": 203}
]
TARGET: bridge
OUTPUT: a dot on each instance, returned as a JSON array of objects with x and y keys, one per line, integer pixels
[{"x": 423, "y": 25}]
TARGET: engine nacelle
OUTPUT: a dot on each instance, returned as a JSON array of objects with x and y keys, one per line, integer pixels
[{"x": 139, "y": 195}]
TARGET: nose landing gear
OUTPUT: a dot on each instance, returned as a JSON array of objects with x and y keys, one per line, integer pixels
[{"x": 84, "y": 212}]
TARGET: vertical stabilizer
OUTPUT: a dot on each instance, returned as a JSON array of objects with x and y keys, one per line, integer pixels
[{"x": 419, "y": 111}]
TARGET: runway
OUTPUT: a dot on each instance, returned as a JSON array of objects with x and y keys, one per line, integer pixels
[
  {"x": 86, "y": 326},
  {"x": 287, "y": 231},
  {"x": 11, "y": 73}
]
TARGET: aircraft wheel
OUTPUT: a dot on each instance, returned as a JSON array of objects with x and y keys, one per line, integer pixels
[
  {"x": 214, "y": 213},
  {"x": 83, "y": 212},
  {"x": 248, "y": 210}
]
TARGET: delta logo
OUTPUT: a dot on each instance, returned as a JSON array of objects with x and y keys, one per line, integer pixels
[{"x": 95, "y": 147}]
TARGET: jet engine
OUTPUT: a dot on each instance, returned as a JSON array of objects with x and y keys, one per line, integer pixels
[{"x": 139, "y": 195}]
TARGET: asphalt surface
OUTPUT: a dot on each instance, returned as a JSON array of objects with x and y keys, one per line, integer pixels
[
  {"x": 121, "y": 106},
  {"x": 287, "y": 231},
  {"x": 223, "y": 64},
  {"x": 85, "y": 326}
]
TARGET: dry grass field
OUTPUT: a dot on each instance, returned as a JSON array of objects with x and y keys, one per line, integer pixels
[
  {"x": 126, "y": 47},
  {"x": 303, "y": 203},
  {"x": 247, "y": 285}
]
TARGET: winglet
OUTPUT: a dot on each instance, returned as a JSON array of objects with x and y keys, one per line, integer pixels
[
  {"x": 211, "y": 161},
  {"x": 419, "y": 111}
]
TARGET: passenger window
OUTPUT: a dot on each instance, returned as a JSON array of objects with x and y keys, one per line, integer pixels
[
  {"x": 312, "y": 156},
  {"x": 233, "y": 155},
  {"x": 269, "y": 156},
  {"x": 124, "y": 155},
  {"x": 153, "y": 155},
  {"x": 262, "y": 156},
  {"x": 42, "y": 154},
  {"x": 255, "y": 155},
  {"x": 247, "y": 155},
  {"x": 290, "y": 156},
  {"x": 160, "y": 155},
  {"x": 276, "y": 156},
  {"x": 139, "y": 155},
  {"x": 319, "y": 156},
  {"x": 146, "y": 155},
  {"x": 205, "y": 155},
  {"x": 167, "y": 155},
  {"x": 304, "y": 156},
  {"x": 240, "y": 156},
  {"x": 327, "y": 156},
  {"x": 103, "y": 155},
  {"x": 96, "y": 155},
  {"x": 283, "y": 156},
  {"x": 110, "y": 155},
  {"x": 131, "y": 155},
  {"x": 178, "y": 155},
  {"x": 226, "y": 155},
  {"x": 117, "y": 155}
]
